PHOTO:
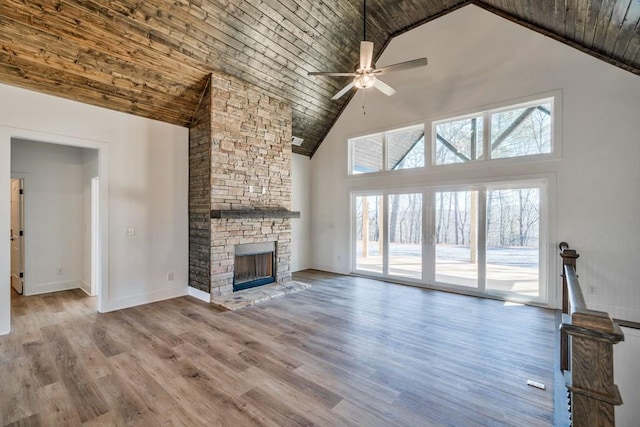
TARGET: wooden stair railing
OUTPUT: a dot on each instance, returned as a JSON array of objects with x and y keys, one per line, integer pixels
[{"x": 586, "y": 352}]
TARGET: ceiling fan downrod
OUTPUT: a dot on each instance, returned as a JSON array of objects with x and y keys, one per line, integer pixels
[{"x": 364, "y": 20}]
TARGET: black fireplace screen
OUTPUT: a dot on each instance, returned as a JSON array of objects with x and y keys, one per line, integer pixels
[{"x": 253, "y": 269}]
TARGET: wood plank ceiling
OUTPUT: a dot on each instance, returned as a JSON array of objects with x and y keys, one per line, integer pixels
[{"x": 152, "y": 57}]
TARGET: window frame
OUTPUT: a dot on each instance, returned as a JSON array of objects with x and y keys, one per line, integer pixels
[
  {"x": 385, "y": 151},
  {"x": 544, "y": 183},
  {"x": 554, "y": 98},
  {"x": 428, "y": 126}
]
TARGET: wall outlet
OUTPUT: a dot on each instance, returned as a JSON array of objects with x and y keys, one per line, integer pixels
[
  {"x": 131, "y": 231},
  {"x": 592, "y": 290},
  {"x": 59, "y": 271},
  {"x": 170, "y": 276}
]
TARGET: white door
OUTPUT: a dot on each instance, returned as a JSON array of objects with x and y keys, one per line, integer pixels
[{"x": 17, "y": 263}]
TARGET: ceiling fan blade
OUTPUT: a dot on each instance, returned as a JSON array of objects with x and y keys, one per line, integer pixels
[
  {"x": 383, "y": 87},
  {"x": 366, "y": 54},
  {"x": 332, "y": 74},
  {"x": 344, "y": 90},
  {"x": 415, "y": 63}
]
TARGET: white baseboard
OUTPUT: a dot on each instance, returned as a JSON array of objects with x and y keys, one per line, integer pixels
[
  {"x": 86, "y": 287},
  {"x": 201, "y": 295},
  {"x": 328, "y": 269},
  {"x": 44, "y": 288},
  {"x": 147, "y": 298}
]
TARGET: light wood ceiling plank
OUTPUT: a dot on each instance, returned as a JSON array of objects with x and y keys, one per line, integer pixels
[
  {"x": 19, "y": 72},
  {"x": 159, "y": 52}
]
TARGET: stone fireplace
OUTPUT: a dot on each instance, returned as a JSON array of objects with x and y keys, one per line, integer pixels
[{"x": 239, "y": 186}]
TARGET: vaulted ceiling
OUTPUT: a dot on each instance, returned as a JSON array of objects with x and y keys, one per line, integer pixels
[{"x": 152, "y": 57}]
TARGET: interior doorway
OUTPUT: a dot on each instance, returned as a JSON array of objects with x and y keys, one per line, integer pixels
[
  {"x": 17, "y": 235},
  {"x": 57, "y": 202},
  {"x": 98, "y": 152}
]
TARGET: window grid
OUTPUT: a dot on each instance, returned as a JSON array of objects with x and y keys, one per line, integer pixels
[{"x": 521, "y": 130}]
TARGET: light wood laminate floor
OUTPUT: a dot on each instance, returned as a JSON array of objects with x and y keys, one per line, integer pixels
[{"x": 348, "y": 351}]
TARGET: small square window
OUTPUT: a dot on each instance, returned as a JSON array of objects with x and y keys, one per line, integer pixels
[
  {"x": 405, "y": 148},
  {"x": 521, "y": 132},
  {"x": 458, "y": 141},
  {"x": 388, "y": 151},
  {"x": 366, "y": 154}
]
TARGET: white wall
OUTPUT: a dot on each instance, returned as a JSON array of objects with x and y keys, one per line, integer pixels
[
  {"x": 54, "y": 214},
  {"x": 477, "y": 59},
  {"x": 146, "y": 163},
  {"x": 300, "y": 201}
]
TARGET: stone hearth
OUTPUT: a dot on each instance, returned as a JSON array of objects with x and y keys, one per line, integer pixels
[
  {"x": 253, "y": 296},
  {"x": 239, "y": 181}
]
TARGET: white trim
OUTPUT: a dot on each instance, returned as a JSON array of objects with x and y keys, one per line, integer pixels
[
  {"x": 7, "y": 133},
  {"x": 45, "y": 288},
  {"x": 553, "y": 96},
  {"x": 5, "y": 229},
  {"x": 197, "y": 293},
  {"x": 86, "y": 288},
  {"x": 146, "y": 298},
  {"x": 545, "y": 182},
  {"x": 94, "y": 286}
]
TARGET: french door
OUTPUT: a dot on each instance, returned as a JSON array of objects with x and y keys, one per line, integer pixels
[
  {"x": 390, "y": 247},
  {"x": 487, "y": 239}
]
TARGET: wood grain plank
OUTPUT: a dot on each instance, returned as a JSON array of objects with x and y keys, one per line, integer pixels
[
  {"x": 56, "y": 407},
  {"x": 348, "y": 351},
  {"x": 87, "y": 398}
]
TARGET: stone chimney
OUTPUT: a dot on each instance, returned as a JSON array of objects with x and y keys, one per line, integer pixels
[{"x": 239, "y": 181}]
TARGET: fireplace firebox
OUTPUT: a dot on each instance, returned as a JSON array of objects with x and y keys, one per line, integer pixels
[{"x": 254, "y": 265}]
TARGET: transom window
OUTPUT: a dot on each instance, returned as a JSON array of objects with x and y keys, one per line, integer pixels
[
  {"x": 520, "y": 130},
  {"x": 514, "y": 131}
]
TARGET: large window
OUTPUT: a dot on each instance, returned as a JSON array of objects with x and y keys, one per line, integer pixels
[
  {"x": 514, "y": 131},
  {"x": 486, "y": 238},
  {"x": 453, "y": 222},
  {"x": 524, "y": 129}
]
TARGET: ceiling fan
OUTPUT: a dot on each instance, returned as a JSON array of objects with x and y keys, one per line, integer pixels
[{"x": 366, "y": 75}]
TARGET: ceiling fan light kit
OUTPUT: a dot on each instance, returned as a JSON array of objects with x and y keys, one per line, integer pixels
[{"x": 366, "y": 75}]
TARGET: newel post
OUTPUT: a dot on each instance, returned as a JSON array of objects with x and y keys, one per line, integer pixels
[{"x": 569, "y": 257}]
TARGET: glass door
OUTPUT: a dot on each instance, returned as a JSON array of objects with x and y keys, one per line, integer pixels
[
  {"x": 369, "y": 239},
  {"x": 456, "y": 238},
  {"x": 405, "y": 235},
  {"x": 513, "y": 241},
  {"x": 485, "y": 238}
]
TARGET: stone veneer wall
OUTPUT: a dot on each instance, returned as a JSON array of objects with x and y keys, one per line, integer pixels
[
  {"x": 250, "y": 146},
  {"x": 200, "y": 196}
]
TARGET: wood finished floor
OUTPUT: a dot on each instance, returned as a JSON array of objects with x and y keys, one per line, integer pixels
[{"x": 348, "y": 351}]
